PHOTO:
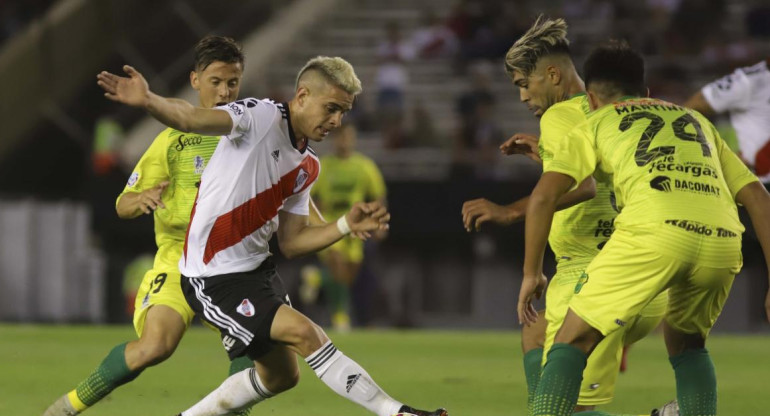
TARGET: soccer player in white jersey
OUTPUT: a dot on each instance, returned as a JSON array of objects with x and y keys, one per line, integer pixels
[
  {"x": 258, "y": 182},
  {"x": 745, "y": 96}
]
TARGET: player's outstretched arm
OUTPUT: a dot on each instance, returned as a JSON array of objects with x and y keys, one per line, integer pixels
[
  {"x": 756, "y": 199},
  {"x": 133, "y": 204},
  {"x": 522, "y": 144},
  {"x": 699, "y": 103},
  {"x": 179, "y": 114},
  {"x": 542, "y": 205},
  {"x": 480, "y": 211},
  {"x": 297, "y": 237}
]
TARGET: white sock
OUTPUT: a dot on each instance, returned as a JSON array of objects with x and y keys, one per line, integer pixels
[
  {"x": 350, "y": 380},
  {"x": 237, "y": 392}
]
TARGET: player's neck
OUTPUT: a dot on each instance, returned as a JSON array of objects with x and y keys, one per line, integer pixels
[{"x": 574, "y": 85}]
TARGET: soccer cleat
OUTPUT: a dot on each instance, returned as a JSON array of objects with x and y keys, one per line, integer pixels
[
  {"x": 669, "y": 409},
  {"x": 409, "y": 411},
  {"x": 61, "y": 407}
]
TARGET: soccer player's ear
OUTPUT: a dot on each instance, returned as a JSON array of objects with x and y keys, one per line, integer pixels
[
  {"x": 195, "y": 81},
  {"x": 554, "y": 74}
]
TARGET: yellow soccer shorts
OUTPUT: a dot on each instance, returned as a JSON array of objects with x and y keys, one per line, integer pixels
[
  {"x": 160, "y": 287},
  {"x": 628, "y": 273},
  {"x": 601, "y": 372},
  {"x": 351, "y": 249}
]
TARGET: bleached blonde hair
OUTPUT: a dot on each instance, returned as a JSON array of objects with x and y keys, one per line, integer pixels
[
  {"x": 336, "y": 70},
  {"x": 545, "y": 37}
]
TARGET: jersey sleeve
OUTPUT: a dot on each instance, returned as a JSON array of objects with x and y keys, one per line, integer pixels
[
  {"x": 152, "y": 167},
  {"x": 576, "y": 155},
  {"x": 375, "y": 184},
  {"x": 247, "y": 115},
  {"x": 298, "y": 203},
  {"x": 730, "y": 92},
  {"x": 737, "y": 174},
  {"x": 555, "y": 125}
]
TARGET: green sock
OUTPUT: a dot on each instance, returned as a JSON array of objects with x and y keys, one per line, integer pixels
[
  {"x": 236, "y": 366},
  {"x": 111, "y": 374},
  {"x": 599, "y": 413},
  {"x": 559, "y": 386},
  {"x": 533, "y": 363},
  {"x": 696, "y": 382}
]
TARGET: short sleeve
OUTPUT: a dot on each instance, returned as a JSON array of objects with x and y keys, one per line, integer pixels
[
  {"x": 152, "y": 167},
  {"x": 298, "y": 203},
  {"x": 736, "y": 173},
  {"x": 247, "y": 116},
  {"x": 731, "y": 92},
  {"x": 555, "y": 125},
  {"x": 576, "y": 156}
]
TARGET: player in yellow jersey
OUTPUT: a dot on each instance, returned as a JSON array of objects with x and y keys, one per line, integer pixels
[
  {"x": 677, "y": 185},
  {"x": 346, "y": 177},
  {"x": 164, "y": 184},
  {"x": 539, "y": 64}
]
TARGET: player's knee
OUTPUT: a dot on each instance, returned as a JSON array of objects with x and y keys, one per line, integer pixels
[
  {"x": 154, "y": 352},
  {"x": 309, "y": 337},
  {"x": 534, "y": 336}
]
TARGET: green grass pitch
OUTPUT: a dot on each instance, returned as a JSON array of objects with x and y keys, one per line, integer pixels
[{"x": 471, "y": 373}]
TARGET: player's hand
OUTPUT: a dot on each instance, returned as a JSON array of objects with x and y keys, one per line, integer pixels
[
  {"x": 150, "y": 200},
  {"x": 132, "y": 90},
  {"x": 479, "y": 211},
  {"x": 366, "y": 217},
  {"x": 522, "y": 144},
  {"x": 531, "y": 286}
]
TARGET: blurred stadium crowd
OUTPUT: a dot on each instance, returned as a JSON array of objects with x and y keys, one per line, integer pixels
[{"x": 436, "y": 105}]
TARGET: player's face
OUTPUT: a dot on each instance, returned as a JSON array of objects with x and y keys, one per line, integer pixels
[
  {"x": 322, "y": 110},
  {"x": 218, "y": 84},
  {"x": 534, "y": 90}
]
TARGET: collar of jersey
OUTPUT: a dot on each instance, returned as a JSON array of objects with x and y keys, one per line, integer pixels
[
  {"x": 580, "y": 94},
  {"x": 292, "y": 137}
]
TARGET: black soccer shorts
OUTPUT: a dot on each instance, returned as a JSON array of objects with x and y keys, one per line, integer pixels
[{"x": 241, "y": 305}]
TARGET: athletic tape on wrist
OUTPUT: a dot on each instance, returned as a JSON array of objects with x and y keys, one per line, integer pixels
[{"x": 342, "y": 225}]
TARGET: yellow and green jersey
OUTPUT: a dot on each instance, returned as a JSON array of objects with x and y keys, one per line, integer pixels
[
  {"x": 674, "y": 178},
  {"x": 343, "y": 182},
  {"x": 180, "y": 159},
  {"x": 580, "y": 231}
]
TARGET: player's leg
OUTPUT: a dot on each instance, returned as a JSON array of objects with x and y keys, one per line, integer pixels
[
  {"x": 601, "y": 372},
  {"x": 270, "y": 374},
  {"x": 161, "y": 317},
  {"x": 343, "y": 375},
  {"x": 533, "y": 339},
  {"x": 343, "y": 262},
  {"x": 694, "y": 305},
  {"x": 619, "y": 282}
]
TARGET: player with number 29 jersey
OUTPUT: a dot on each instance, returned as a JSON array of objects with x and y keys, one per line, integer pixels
[
  {"x": 675, "y": 181},
  {"x": 677, "y": 184}
]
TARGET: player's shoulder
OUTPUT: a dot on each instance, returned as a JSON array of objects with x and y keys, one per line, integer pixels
[
  {"x": 261, "y": 107},
  {"x": 574, "y": 108}
]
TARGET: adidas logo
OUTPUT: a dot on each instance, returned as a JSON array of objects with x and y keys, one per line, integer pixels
[
  {"x": 352, "y": 381},
  {"x": 275, "y": 154}
]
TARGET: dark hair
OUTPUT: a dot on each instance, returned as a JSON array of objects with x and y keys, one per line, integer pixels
[
  {"x": 217, "y": 48},
  {"x": 618, "y": 67}
]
